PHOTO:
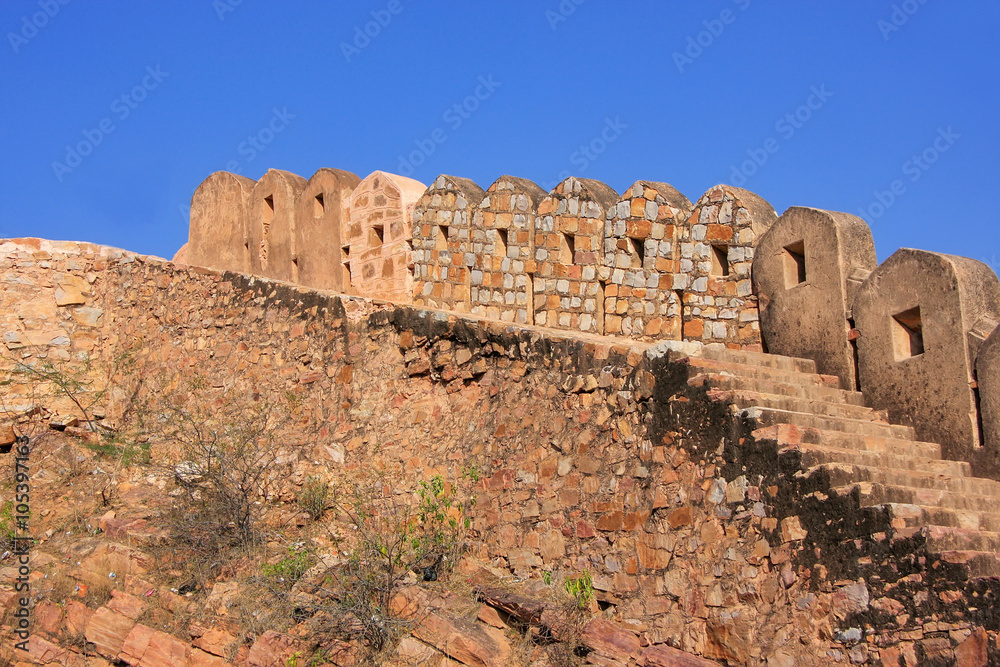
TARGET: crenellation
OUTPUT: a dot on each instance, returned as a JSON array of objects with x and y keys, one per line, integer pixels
[
  {"x": 444, "y": 258},
  {"x": 641, "y": 260},
  {"x": 918, "y": 315},
  {"x": 569, "y": 244},
  {"x": 218, "y": 237},
  {"x": 807, "y": 270},
  {"x": 271, "y": 224},
  {"x": 380, "y": 233},
  {"x": 716, "y": 248},
  {"x": 321, "y": 214},
  {"x": 504, "y": 244}
]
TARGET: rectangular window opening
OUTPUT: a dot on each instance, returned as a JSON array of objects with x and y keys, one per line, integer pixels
[
  {"x": 568, "y": 250},
  {"x": 347, "y": 274},
  {"x": 639, "y": 247},
  {"x": 268, "y": 211},
  {"x": 501, "y": 248},
  {"x": 907, "y": 334},
  {"x": 376, "y": 236},
  {"x": 720, "y": 261},
  {"x": 441, "y": 242},
  {"x": 794, "y": 260},
  {"x": 318, "y": 207}
]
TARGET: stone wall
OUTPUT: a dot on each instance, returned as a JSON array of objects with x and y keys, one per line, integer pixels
[
  {"x": 716, "y": 254},
  {"x": 504, "y": 227},
  {"x": 641, "y": 273},
  {"x": 379, "y": 233},
  {"x": 576, "y": 258},
  {"x": 569, "y": 244},
  {"x": 443, "y": 244},
  {"x": 591, "y": 454}
]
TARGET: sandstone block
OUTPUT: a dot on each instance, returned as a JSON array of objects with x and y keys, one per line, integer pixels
[
  {"x": 218, "y": 237},
  {"x": 922, "y": 317},
  {"x": 807, "y": 270},
  {"x": 271, "y": 224},
  {"x": 321, "y": 217}
]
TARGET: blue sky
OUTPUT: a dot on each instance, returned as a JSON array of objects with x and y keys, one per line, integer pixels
[{"x": 112, "y": 113}]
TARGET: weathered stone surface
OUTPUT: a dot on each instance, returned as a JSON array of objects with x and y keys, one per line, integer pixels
[
  {"x": 444, "y": 259},
  {"x": 321, "y": 216},
  {"x": 271, "y": 224},
  {"x": 609, "y": 640},
  {"x": 216, "y": 641},
  {"x": 468, "y": 643},
  {"x": 107, "y": 630},
  {"x": 974, "y": 650},
  {"x": 273, "y": 649},
  {"x": 807, "y": 269},
  {"x": 662, "y": 655},
  {"x": 219, "y": 234},
  {"x": 988, "y": 386},
  {"x": 641, "y": 256},
  {"x": 569, "y": 244},
  {"x": 503, "y": 242},
  {"x": 379, "y": 234},
  {"x": 920, "y": 316},
  {"x": 145, "y": 647},
  {"x": 716, "y": 244}
]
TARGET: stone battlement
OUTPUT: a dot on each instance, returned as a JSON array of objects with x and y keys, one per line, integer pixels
[{"x": 648, "y": 265}]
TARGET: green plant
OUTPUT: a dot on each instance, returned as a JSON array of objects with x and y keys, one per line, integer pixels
[
  {"x": 581, "y": 587},
  {"x": 391, "y": 535},
  {"x": 8, "y": 529},
  {"x": 290, "y": 569},
  {"x": 314, "y": 497},
  {"x": 293, "y": 659},
  {"x": 547, "y": 578}
]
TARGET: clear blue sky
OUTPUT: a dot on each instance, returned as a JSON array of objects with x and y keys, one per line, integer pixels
[{"x": 683, "y": 92}]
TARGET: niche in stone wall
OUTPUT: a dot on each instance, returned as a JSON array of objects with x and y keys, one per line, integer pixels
[
  {"x": 794, "y": 260},
  {"x": 720, "y": 261},
  {"x": 266, "y": 218},
  {"x": 907, "y": 334},
  {"x": 567, "y": 248}
]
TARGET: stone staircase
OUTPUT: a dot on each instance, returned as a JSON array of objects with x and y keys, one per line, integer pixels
[{"x": 857, "y": 452}]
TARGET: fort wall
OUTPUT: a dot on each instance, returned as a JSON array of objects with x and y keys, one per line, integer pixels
[{"x": 591, "y": 454}]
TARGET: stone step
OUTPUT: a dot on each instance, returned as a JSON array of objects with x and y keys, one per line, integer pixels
[
  {"x": 872, "y": 494},
  {"x": 746, "y": 358},
  {"x": 725, "y": 380},
  {"x": 762, "y": 372},
  {"x": 949, "y": 538},
  {"x": 914, "y": 516},
  {"x": 791, "y": 434},
  {"x": 848, "y": 473},
  {"x": 743, "y": 397},
  {"x": 766, "y": 416},
  {"x": 814, "y": 455}
]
